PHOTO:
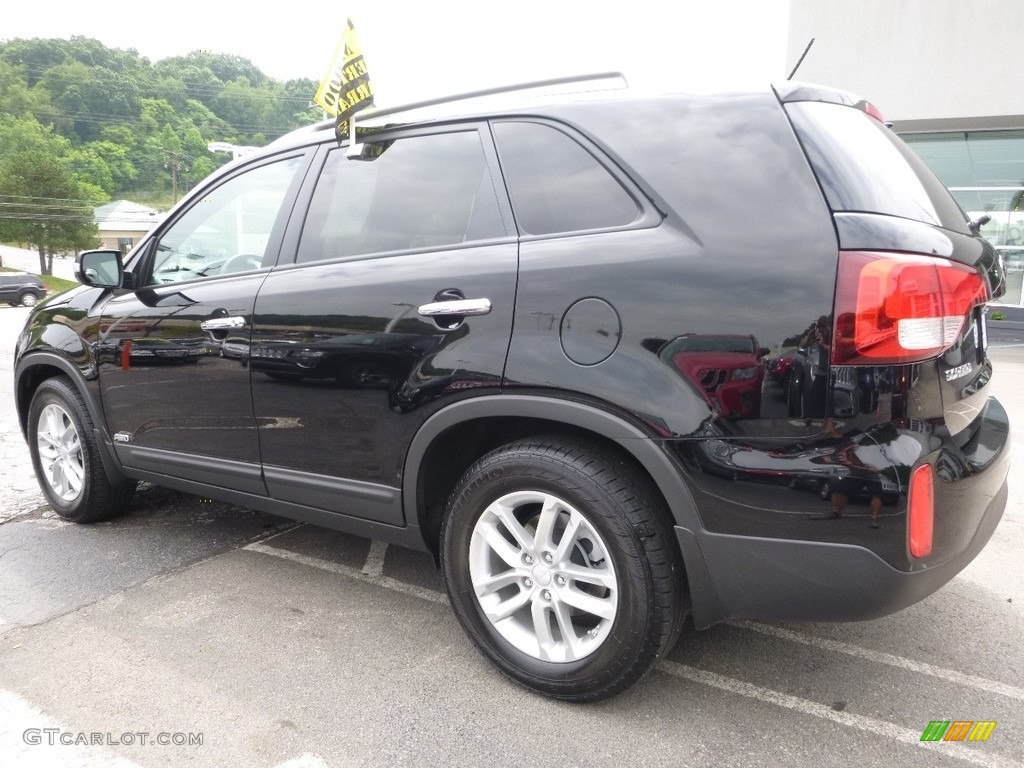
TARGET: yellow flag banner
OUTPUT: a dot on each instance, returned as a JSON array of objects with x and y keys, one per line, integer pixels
[{"x": 346, "y": 87}]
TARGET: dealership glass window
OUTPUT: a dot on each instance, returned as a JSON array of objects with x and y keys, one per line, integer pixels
[{"x": 985, "y": 172}]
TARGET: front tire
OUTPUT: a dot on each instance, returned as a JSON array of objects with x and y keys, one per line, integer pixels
[
  {"x": 66, "y": 457},
  {"x": 560, "y": 565}
]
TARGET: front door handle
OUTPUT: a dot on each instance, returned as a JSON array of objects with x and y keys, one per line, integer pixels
[
  {"x": 222, "y": 323},
  {"x": 462, "y": 307}
]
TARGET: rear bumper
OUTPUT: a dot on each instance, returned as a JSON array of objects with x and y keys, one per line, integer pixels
[
  {"x": 783, "y": 578},
  {"x": 772, "y": 579}
]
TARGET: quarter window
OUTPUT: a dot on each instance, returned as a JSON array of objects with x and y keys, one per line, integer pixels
[
  {"x": 558, "y": 186},
  {"x": 422, "y": 192}
]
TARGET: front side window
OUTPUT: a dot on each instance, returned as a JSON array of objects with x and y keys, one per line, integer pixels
[
  {"x": 228, "y": 230},
  {"x": 558, "y": 186},
  {"x": 420, "y": 192}
]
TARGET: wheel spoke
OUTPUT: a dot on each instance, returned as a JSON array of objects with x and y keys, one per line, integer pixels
[
  {"x": 52, "y": 471},
  {"x": 566, "y": 627},
  {"x": 54, "y": 422},
  {"x": 548, "y": 646},
  {"x": 568, "y": 540},
  {"x": 601, "y": 578},
  {"x": 602, "y": 607},
  {"x": 502, "y": 610},
  {"x": 499, "y": 544},
  {"x": 488, "y": 585},
  {"x": 59, "y": 482},
  {"x": 69, "y": 435},
  {"x": 544, "y": 538},
  {"x": 73, "y": 472},
  {"x": 47, "y": 442},
  {"x": 506, "y": 514}
]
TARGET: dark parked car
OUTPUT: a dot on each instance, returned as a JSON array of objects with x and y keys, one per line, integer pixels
[
  {"x": 466, "y": 319},
  {"x": 18, "y": 288}
]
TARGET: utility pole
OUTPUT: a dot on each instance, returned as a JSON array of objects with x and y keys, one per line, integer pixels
[{"x": 175, "y": 161}]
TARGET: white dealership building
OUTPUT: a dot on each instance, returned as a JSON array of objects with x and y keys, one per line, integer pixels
[{"x": 942, "y": 72}]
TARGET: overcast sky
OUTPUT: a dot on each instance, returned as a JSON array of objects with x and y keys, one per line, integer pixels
[{"x": 421, "y": 49}]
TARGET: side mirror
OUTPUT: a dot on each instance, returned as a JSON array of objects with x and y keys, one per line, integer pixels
[
  {"x": 100, "y": 269},
  {"x": 763, "y": 352}
]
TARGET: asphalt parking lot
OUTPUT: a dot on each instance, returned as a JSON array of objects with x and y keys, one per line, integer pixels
[{"x": 244, "y": 639}]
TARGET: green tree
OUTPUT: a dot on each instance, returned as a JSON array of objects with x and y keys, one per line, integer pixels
[
  {"x": 46, "y": 206},
  {"x": 115, "y": 155},
  {"x": 24, "y": 134},
  {"x": 17, "y": 98},
  {"x": 86, "y": 164},
  {"x": 91, "y": 96},
  {"x": 36, "y": 55},
  {"x": 79, "y": 99}
]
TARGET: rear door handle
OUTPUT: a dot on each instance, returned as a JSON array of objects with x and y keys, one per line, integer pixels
[
  {"x": 222, "y": 323},
  {"x": 463, "y": 307}
]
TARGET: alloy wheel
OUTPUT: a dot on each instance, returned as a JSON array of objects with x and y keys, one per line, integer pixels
[{"x": 542, "y": 576}]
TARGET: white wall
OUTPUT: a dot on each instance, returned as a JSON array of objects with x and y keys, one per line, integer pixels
[{"x": 925, "y": 63}]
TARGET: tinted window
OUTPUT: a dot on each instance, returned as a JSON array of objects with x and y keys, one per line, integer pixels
[
  {"x": 863, "y": 166},
  {"x": 556, "y": 185},
  {"x": 229, "y": 229},
  {"x": 421, "y": 192}
]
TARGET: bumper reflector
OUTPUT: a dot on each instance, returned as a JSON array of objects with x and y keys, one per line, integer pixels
[{"x": 921, "y": 514}]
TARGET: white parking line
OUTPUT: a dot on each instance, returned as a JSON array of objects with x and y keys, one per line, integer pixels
[
  {"x": 888, "y": 730},
  {"x": 869, "y": 725},
  {"x": 921, "y": 667},
  {"x": 374, "y": 565},
  {"x": 344, "y": 570},
  {"x": 305, "y": 760}
]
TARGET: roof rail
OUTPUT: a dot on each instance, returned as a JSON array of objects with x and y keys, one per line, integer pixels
[{"x": 369, "y": 114}]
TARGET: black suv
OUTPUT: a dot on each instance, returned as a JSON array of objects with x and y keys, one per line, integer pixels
[
  {"x": 19, "y": 288},
  {"x": 451, "y": 337}
]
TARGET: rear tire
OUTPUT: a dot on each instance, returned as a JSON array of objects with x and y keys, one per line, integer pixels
[
  {"x": 28, "y": 300},
  {"x": 561, "y": 566},
  {"x": 66, "y": 457}
]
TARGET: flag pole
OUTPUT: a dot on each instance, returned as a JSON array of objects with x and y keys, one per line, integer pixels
[{"x": 355, "y": 149}]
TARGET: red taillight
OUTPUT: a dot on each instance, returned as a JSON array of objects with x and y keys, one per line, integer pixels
[
  {"x": 921, "y": 511},
  {"x": 894, "y": 309}
]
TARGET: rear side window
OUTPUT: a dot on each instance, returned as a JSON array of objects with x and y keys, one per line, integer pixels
[
  {"x": 556, "y": 185},
  {"x": 863, "y": 166},
  {"x": 421, "y": 192}
]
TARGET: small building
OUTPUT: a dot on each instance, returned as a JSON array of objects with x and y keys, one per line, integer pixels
[{"x": 123, "y": 223}]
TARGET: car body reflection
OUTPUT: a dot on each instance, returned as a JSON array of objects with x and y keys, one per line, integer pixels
[
  {"x": 728, "y": 370},
  {"x": 362, "y": 361}
]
